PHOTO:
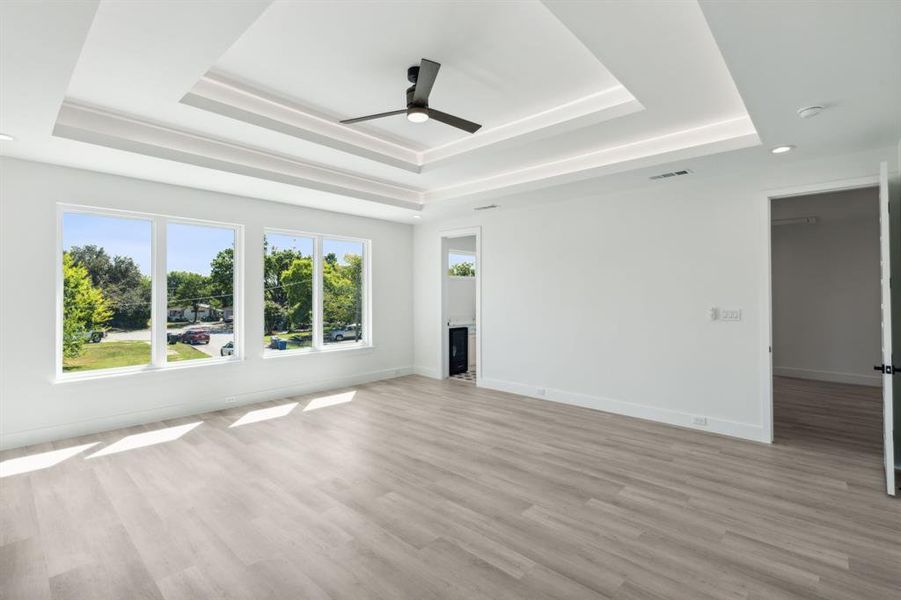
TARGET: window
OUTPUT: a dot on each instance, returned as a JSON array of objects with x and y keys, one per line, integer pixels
[
  {"x": 342, "y": 292},
  {"x": 314, "y": 292},
  {"x": 106, "y": 295},
  {"x": 461, "y": 265},
  {"x": 200, "y": 287},
  {"x": 118, "y": 311},
  {"x": 288, "y": 292}
]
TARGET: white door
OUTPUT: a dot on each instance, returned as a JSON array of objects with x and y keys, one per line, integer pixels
[{"x": 885, "y": 229}]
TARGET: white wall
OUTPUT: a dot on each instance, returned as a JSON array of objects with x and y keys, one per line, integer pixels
[
  {"x": 826, "y": 294},
  {"x": 602, "y": 300},
  {"x": 33, "y": 407},
  {"x": 461, "y": 300},
  {"x": 465, "y": 244}
]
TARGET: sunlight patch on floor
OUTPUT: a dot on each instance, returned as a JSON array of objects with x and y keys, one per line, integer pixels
[
  {"x": 149, "y": 438},
  {"x": 264, "y": 414},
  {"x": 44, "y": 460},
  {"x": 332, "y": 400}
]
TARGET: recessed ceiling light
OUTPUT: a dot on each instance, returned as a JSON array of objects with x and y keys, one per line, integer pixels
[
  {"x": 416, "y": 114},
  {"x": 5, "y": 137},
  {"x": 782, "y": 149},
  {"x": 417, "y": 217},
  {"x": 808, "y": 112}
]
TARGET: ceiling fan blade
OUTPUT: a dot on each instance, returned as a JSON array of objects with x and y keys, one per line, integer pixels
[
  {"x": 428, "y": 71},
  {"x": 454, "y": 121},
  {"x": 375, "y": 116}
]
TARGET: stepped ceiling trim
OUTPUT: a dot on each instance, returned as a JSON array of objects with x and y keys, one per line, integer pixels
[{"x": 219, "y": 94}]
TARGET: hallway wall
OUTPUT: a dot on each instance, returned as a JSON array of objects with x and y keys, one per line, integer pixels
[{"x": 826, "y": 294}]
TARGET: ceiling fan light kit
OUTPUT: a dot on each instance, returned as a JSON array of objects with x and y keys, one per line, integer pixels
[
  {"x": 423, "y": 78},
  {"x": 416, "y": 114}
]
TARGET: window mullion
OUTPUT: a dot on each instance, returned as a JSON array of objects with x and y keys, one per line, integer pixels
[
  {"x": 238, "y": 294},
  {"x": 158, "y": 309},
  {"x": 317, "y": 294},
  {"x": 367, "y": 293}
]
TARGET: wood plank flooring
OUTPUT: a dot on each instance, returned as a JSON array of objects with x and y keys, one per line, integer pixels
[{"x": 420, "y": 489}]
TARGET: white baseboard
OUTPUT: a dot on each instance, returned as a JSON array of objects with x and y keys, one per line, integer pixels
[
  {"x": 427, "y": 372},
  {"x": 641, "y": 411},
  {"x": 16, "y": 439},
  {"x": 833, "y": 376}
]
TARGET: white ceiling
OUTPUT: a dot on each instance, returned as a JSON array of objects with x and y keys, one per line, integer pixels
[
  {"x": 244, "y": 96},
  {"x": 845, "y": 56},
  {"x": 349, "y": 59}
]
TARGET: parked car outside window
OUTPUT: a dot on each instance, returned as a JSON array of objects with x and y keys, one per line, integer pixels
[
  {"x": 343, "y": 333},
  {"x": 191, "y": 336}
]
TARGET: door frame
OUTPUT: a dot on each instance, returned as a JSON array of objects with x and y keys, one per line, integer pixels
[
  {"x": 766, "y": 322},
  {"x": 444, "y": 235},
  {"x": 888, "y": 247}
]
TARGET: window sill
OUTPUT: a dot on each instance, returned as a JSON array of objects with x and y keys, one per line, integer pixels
[
  {"x": 179, "y": 366},
  {"x": 362, "y": 348},
  {"x": 123, "y": 371}
]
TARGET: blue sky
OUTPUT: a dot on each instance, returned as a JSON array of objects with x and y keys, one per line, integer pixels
[
  {"x": 340, "y": 248},
  {"x": 190, "y": 247},
  {"x": 119, "y": 237},
  {"x": 278, "y": 241},
  {"x": 456, "y": 259},
  {"x": 305, "y": 245},
  {"x": 193, "y": 247}
]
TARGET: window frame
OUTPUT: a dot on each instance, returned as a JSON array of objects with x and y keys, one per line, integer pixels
[
  {"x": 158, "y": 294},
  {"x": 463, "y": 253},
  {"x": 318, "y": 346}
]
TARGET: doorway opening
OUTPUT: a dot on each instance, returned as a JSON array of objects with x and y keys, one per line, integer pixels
[
  {"x": 460, "y": 305},
  {"x": 825, "y": 258}
]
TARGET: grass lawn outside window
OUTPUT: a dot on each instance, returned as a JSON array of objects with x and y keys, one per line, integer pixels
[{"x": 110, "y": 355}]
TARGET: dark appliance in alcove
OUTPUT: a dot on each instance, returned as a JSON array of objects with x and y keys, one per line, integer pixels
[{"x": 458, "y": 338}]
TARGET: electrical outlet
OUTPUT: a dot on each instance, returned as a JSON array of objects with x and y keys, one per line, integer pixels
[
  {"x": 700, "y": 421},
  {"x": 541, "y": 392},
  {"x": 231, "y": 400}
]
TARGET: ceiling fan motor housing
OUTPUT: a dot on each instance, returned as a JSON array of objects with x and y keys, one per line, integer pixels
[{"x": 417, "y": 105}]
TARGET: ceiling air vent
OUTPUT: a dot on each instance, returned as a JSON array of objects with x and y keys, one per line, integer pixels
[
  {"x": 486, "y": 207},
  {"x": 671, "y": 174}
]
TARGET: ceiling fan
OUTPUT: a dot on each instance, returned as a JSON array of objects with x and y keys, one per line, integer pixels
[{"x": 423, "y": 78}]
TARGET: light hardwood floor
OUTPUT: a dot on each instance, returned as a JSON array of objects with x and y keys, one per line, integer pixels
[{"x": 422, "y": 489}]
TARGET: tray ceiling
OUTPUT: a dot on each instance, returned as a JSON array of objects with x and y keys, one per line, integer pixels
[
  {"x": 501, "y": 62},
  {"x": 250, "y": 93}
]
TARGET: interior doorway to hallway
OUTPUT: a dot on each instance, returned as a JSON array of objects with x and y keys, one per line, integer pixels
[
  {"x": 827, "y": 326},
  {"x": 461, "y": 305}
]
